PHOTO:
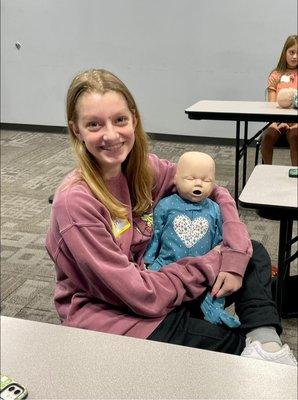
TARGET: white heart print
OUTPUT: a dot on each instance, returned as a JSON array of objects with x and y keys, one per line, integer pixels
[{"x": 190, "y": 231}]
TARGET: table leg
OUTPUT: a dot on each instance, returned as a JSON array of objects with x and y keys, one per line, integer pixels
[
  {"x": 237, "y": 161},
  {"x": 285, "y": 236},
  {"x": 244, "y": 154},
  {"x": 288, "y": 240}
]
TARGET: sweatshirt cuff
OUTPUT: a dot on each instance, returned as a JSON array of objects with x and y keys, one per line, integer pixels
[{"x": 234, "y": 262}]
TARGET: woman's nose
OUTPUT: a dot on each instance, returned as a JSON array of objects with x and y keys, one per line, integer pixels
[{"x": 110, "y": 132}]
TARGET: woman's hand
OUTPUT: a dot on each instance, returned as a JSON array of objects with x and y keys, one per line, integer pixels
[
  {"x": 217, "y": 248},
  {"x": 293, "y": 126},
  {"x": 226, "y": 284},
  {"x": 283, "y": 127}
]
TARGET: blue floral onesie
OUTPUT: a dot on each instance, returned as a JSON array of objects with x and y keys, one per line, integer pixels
[{"x": 182, "y": 229}]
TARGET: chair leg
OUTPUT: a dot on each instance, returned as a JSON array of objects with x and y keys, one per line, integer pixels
[{"x": 258, "y": 137}]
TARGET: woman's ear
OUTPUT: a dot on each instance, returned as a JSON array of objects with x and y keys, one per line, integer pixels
[
  {"x": 134, "y": 120},
  {"x": 75, "y": 130}
]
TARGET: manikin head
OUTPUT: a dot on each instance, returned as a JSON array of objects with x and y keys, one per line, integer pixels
[
  {"x": 285, "y": 97},
  {"x": 195, "y": 176}
]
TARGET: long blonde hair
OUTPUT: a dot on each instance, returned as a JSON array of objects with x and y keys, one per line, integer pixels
[{"x": 136, "y": 167}]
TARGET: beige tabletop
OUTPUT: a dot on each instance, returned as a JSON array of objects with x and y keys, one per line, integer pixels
[
  {"x": 270, "y": 185},
  {"x": 253, "y": 108},
  {"x": 56, "y": 362},
  {"x": 241, "y": 111}
]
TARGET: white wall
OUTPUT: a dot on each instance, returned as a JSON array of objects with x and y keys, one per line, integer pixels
[{"x": 170, "y": 53}]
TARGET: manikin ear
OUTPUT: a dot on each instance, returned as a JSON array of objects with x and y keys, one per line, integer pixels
[{"x": 75, "y": 130}]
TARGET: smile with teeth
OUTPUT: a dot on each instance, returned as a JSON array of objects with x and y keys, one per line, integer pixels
[{"x": 113, "y": 147}]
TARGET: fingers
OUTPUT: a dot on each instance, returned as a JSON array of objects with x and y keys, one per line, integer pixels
[
  {"x": 217, "y": 248},
  {"x": 225, "y": 290},
  {"x": 217, "y": 285},
  {"x": 283, "y": 127},
  {"x": 226, "y": 284}
]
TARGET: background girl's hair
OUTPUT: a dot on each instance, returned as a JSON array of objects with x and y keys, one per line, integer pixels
[
  {"x": 136, "y": 166},
  {"x": 282, "y": 63}
]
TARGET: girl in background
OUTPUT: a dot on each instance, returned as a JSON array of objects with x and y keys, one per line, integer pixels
[{"x": 283, "y": 76}]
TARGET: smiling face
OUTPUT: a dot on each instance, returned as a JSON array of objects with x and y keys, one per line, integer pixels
[
  {"x": 106, "y": 126},
  {"x": 195, "y": 176},
  {"x": 292, "y": 56}
]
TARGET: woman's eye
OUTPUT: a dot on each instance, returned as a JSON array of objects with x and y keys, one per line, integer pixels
[
  {"x": 121, "y": 120},
  {"x": 93, "y": 125}
]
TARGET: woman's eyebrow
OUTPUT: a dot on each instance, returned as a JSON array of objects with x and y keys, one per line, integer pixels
[
  {"x": 90, "y": 116},
  {"x": 114, "y": 114}
]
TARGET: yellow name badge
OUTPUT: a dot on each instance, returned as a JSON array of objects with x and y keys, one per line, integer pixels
[
  {"x": 148, "y": 218},
  {"x": 120, "y": 226}
]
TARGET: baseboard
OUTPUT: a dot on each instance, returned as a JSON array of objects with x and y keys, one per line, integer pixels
[{"x": 33, "y": 128}]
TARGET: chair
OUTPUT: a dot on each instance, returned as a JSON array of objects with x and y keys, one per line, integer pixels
[{"x": 51, "y": 198}]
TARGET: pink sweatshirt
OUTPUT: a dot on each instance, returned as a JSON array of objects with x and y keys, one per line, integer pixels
[{"x": 102, "y": 284}]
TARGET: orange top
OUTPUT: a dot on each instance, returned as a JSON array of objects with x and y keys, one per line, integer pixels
[{"x": 281, "y": 80}]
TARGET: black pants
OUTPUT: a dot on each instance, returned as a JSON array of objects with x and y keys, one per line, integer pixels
[{"x": 253, "y": 304}]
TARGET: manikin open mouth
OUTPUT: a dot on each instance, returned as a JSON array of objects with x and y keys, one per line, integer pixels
[{"x": 197, "y": 192}]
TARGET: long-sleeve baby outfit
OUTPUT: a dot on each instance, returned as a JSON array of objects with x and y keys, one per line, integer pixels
[{"x": 183, "y": 229}]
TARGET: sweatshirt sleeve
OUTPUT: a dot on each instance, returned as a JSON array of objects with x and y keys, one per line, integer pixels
[
  {"x": 236, "y": 248},
  {"x": 92, "y": 260}
]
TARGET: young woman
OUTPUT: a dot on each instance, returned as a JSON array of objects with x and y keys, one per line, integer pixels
[
  {"x": 101, "y": 226},
  {"x": 283, "y": 76}
]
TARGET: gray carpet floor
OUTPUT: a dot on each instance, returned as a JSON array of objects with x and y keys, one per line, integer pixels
[{"x": 32, "y": 165}]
